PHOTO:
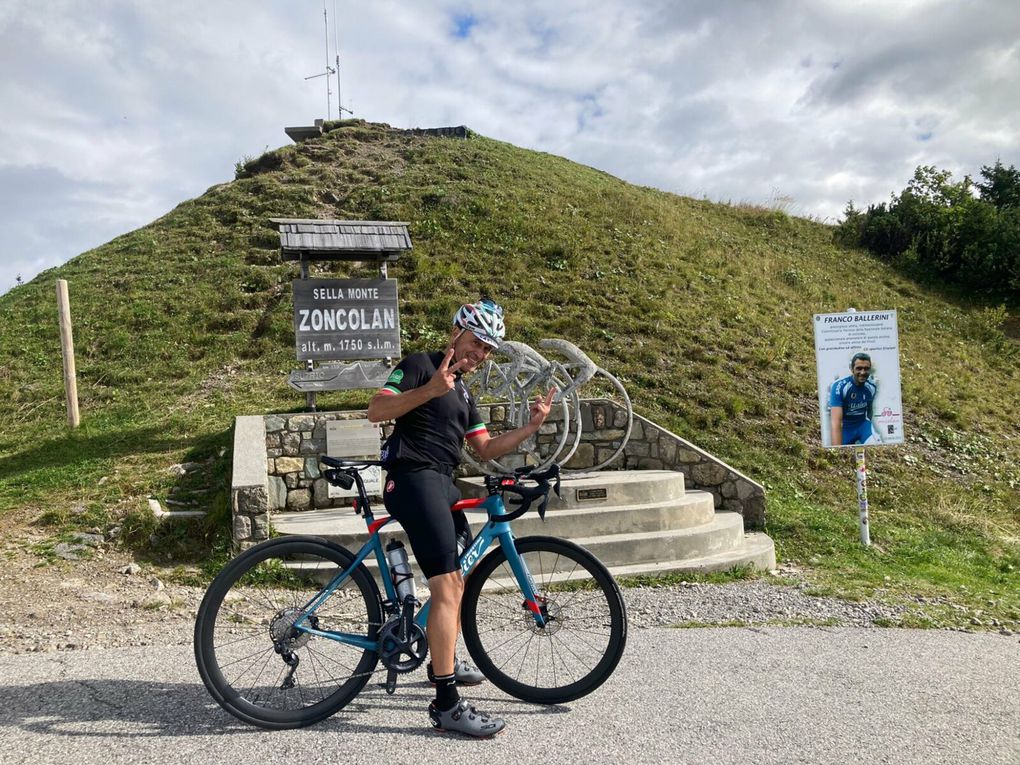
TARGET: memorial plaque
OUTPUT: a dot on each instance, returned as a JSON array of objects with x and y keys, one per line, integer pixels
[
  {"x": 592, "y": 495},
  {"x": 355, "y": 439},
  {"x": 338, "y": 319}
]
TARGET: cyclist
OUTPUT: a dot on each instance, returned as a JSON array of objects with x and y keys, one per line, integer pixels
[
  {"x": 434, "y": 413},
  {"x": 851, "y": 400}
]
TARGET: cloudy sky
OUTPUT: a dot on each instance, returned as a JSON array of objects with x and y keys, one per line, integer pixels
[{"x": 114, "y": 111}]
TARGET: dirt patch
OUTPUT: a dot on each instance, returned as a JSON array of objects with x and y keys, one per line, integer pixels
[
  {"x": 1011, "y": 327},
  {"x": 58, "y": 605}
]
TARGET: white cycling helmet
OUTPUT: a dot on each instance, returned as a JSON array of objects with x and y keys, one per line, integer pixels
[{"x": 483, "y": 319}]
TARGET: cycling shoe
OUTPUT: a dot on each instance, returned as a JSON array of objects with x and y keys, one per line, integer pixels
[
  {"x": 465, "y": 673},
  {"x": 464, "y": 718}
]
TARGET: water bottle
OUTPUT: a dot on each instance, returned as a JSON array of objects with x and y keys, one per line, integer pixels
[
  {"x": 400, "y": 569},
  {"x": 464, "y": 540}
]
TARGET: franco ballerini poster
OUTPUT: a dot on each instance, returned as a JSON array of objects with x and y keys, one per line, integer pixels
[{"x": 858, "y": 360}]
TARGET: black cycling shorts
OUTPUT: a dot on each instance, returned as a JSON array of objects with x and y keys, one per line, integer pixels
[{"x": 420, "y": 499}]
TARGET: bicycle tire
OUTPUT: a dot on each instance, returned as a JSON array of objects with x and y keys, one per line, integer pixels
[
  {"x": 585, "y": 637},
  {"x": 258, "y": 592}
]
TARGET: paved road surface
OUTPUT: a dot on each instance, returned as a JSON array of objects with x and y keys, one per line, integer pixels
[{"x": 705, "y": 696}]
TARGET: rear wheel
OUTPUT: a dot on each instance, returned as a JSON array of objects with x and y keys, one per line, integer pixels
[
  {"x": 256, "y": 663},
  {"x": 585, "y": 630}
]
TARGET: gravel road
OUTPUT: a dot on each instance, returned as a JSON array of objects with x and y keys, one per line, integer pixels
[
  {"x": 712, "y": 696},
  {"x": 108, "y": 601}
]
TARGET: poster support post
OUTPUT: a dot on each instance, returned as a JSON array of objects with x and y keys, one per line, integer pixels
[
  {"x": 862, "y": 496},
  {"x": 67, "y": 351}
]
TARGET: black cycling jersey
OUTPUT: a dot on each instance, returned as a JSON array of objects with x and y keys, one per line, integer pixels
[{"x": 432, "y": 434}]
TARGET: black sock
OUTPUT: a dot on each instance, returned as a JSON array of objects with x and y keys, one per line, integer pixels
[{"x": 446, "y": 692}]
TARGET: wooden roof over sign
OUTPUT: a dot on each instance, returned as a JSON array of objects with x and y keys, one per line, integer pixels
[{"x": 342, "y": 239}]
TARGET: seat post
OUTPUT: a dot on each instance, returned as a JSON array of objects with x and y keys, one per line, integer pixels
[{"x": 364, "y": 506}]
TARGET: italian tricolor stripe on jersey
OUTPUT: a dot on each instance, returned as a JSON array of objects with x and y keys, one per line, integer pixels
[
  {"x": 389, "y": 390},
  {"x": 476, "y": 430}
]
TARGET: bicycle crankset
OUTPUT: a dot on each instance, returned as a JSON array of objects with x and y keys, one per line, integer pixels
[{"x": 402, "y": 645}]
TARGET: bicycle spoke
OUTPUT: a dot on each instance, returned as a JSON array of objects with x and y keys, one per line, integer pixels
[
  {"x": 323, "y": 656},
  {"x": 311, "y": 660},
  {"x": 253, "y": 636},
  {"x": 258, "y": 677},
  {"x": 244, "y": 658}
]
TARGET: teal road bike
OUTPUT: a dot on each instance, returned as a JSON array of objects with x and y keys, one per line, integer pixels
[{"x": 292, "y": 629}]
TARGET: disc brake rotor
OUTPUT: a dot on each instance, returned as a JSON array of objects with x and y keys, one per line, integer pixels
[{"x": 552, "y": 615}]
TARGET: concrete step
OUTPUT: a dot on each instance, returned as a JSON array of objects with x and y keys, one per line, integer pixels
[
  {"x": 612, "y": 487},
  {"x": 723, "y": 534},
  {"x": 757, "y": 550},
  {"x": 636, "y": 522},
  {"x": 696, "y": 508}
]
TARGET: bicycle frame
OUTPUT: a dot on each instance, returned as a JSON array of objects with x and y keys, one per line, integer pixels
[{"x": 494, "y": 530}]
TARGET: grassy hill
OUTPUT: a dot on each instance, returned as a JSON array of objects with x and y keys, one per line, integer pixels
[{"x": 704, "y": 310}]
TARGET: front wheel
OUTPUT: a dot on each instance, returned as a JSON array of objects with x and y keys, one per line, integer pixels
[
  {"x": 585, "y": 622},
  {"x": 254, "y": 659}
]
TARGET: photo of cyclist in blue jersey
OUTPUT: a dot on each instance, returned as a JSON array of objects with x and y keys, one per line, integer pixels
[{"x": 851, "y": 400}]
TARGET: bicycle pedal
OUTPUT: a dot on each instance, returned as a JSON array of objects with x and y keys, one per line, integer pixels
[{"x": 391, "y": 682}]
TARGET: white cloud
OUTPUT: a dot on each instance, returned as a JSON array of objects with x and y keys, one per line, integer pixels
[{"x": 115, "y": 111}]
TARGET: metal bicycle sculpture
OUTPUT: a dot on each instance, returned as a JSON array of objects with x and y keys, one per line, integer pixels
[{"x": 517, "y": 373}]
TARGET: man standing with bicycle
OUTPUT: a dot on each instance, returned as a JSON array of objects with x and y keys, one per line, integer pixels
[{"x": 434, "y": 413}]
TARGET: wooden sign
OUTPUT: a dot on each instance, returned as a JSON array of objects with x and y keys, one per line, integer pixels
[{"x": 338, "y": 319}]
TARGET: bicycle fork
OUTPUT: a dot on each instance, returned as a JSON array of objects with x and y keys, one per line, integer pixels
[{"x": 532, "y": 601}]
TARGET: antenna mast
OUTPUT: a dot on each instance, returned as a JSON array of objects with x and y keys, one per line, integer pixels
[
  {"x": 329, "y": 69},
  {"x": 336, "y": 47},
  {"x": 325, "y": 24},
  {"x": 340, "y": 108}
]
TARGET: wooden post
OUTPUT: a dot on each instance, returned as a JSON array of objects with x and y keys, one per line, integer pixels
[
  {"x": 67, "y": 348},
  {"x": 309, "y": 364}
]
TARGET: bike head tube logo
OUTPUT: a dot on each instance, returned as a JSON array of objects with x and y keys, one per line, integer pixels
[{"x": 390, "y": 486}]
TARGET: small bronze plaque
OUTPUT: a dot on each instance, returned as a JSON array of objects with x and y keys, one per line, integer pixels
[{"x": 587, "y": 495}]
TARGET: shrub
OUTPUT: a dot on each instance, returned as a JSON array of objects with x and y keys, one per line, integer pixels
[{"x": 956, "y": 231}]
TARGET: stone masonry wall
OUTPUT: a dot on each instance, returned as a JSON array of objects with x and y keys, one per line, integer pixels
[
  {"x": 294, "y": 441},
  {"x": 293, "y": 445}
]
